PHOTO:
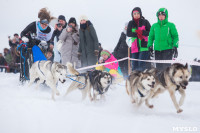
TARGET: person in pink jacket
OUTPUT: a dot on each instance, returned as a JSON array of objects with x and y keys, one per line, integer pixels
[{"x": 112, "y": 68}]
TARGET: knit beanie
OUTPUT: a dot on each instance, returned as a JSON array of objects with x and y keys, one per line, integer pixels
[
  {"x": 61, "y": 17},
  {"x": 72, "y": 20},
  {"x": 83, "y": 17},
  {"x": 106, "y": 52}
]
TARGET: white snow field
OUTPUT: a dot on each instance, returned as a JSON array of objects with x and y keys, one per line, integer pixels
[{"x": 27, "y": 110}]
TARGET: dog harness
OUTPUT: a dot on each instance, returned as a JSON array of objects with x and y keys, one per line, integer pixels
[
  {"x": 39, "y": 68},
  {"x": 161, "y": 78},
  {"x": 141, "y": 95}
]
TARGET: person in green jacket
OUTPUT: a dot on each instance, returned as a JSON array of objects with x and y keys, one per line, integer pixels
[{"x": 164, "y": 35}]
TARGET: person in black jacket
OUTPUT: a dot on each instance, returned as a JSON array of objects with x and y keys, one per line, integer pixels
[
  {"x": 138, "y": 29},
  {"x": 58, "y": 28},
  {"x": 121, "y": 51},
  {"x": 62, "y": 24}
]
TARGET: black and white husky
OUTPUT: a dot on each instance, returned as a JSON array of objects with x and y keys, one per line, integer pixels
[{"x": 97, "y": 80}]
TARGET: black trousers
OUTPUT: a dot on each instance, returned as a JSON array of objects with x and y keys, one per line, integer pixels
[{"x": 163, "y": 55}]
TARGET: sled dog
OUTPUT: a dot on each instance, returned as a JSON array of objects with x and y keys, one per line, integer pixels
[
  {"x": 98, "y": 80},
  {"x": 174, "y": 78},
  {"x": 139, "y": 87},
  {"x": 48, "y": 72}
]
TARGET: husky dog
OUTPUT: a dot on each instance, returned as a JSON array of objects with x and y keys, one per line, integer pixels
[
  {"x": 98, "y": 80},
  {"x": 174, "y": 78},
  {"x": 139, "y": 87},
  {"x": 48, "y": 72}
]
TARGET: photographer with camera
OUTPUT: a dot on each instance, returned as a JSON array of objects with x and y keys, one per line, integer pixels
[
  {"x": 58, "y": 29},
  {"x": 68, "y": 43}
]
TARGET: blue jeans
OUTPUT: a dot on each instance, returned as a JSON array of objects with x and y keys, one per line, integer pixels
[{"x": 140, "y": 65}]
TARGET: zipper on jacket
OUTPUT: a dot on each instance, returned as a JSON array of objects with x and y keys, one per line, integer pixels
[{"x": 160, "y": 36}]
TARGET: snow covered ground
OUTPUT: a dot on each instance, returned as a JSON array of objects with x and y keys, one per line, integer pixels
[{"x": 26, "y": 110}]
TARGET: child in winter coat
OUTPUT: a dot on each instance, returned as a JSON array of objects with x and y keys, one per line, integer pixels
[{"x": 112, "y": 68}]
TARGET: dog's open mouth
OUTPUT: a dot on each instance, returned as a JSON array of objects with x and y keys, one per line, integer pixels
[
  {"x": 152, "y": 86},
  {"x": 183, "y": 86}
]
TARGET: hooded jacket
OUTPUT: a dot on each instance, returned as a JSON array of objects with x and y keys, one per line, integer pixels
[
  {"x": 138, "y": 45},
  {"x": 163, "y": 34}
]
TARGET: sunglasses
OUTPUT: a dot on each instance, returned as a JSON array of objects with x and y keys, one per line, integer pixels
[{"x": 161, "y": 13}]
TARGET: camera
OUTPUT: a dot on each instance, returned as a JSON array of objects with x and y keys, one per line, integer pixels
[{"x": 59, "y": 25}]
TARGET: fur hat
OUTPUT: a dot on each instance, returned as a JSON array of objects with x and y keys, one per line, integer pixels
[
  {"x": 83, "y": 17},
  {"x": 106, "y": 52},
  {"x": 61, "y": 17}
]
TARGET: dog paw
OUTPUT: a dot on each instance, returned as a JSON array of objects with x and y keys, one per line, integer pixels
[
  {"x": 150, "y": 106},
  {"x": 133, "y": 101},
  {"x": 179, "y": 111},
  {"x": 91, "y": 99},
  {"x": 57, "y": 93}
]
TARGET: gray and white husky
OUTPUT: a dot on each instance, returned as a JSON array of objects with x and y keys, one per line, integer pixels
[
  {"x": 139, "y": 87},
  {"x": 174, "y": 78},
  {"x": 48, "y": 72}
]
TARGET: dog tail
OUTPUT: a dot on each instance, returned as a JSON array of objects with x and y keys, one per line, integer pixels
[
  {"x": 127, "y": 87},
  {"x": 71, "y": 69}
]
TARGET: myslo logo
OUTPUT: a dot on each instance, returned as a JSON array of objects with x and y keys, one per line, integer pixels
[{"x": 185, "y": 129}]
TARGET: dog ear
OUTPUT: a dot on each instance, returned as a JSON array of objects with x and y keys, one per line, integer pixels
[{"x": 186, "y": 65}]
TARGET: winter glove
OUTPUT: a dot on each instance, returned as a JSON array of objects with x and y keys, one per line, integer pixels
[
  {"x": 139, "y": 34},
  {"x": 79, "y": 56},
  {"x": 25, "y": 39},
  {"x": 175, "y": 52},
  {"x": 151, "y": 51},
  {"x": 96, "y": 52}
]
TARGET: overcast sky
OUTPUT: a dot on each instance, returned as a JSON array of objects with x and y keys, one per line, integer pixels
[{"x": 107, "y": 16}]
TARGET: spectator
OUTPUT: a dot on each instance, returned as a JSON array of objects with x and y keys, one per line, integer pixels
[
  {"x": 18, "y": 39},
  {"x": 89, "y": 46},
  {"x": 112, "y": 68},
  {"x": 62, "y": 23},
  {"x": 164, "y": 35},
  {"x": 70, "y": 40},
  {"x": 9, "y": 60},
  {"x": 2, "y": 62},
  {"x": 138, "y": 29},
  {"x": 43, "y": 32},
  {"x": 121, "y": 51},
  {"x": 58, "y": 28},
  {"x": 50, "y": 55}
]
